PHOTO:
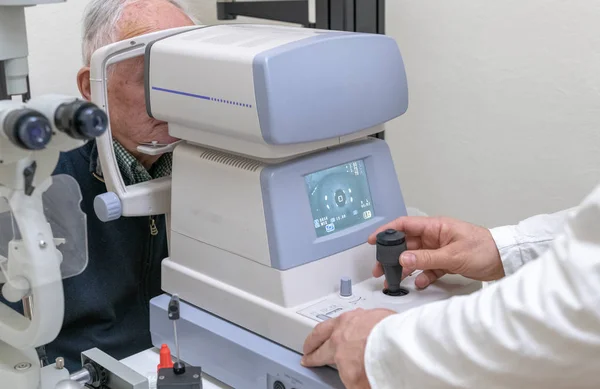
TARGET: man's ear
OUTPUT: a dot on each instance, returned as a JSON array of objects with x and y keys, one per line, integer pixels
[{"x": 83, "y": 83}]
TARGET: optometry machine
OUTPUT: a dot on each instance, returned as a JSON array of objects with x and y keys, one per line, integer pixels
[{"x": 276, "y": 186}]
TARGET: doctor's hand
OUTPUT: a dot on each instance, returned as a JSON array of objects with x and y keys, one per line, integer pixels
[
  {"x": 342, "y": 341},
  {"x": 440, "y": 246}
]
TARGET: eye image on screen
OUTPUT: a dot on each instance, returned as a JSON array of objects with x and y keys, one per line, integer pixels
[{"x": 339, "y": 197}]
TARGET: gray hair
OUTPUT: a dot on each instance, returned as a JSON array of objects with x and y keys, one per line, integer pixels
[{"x": 100, "y": 22}]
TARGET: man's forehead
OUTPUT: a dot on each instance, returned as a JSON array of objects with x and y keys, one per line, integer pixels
[{"x": 147, "y": 16}]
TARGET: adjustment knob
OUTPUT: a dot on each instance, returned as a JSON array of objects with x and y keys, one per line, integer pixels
[
  {"x": 345, "y": 287},
  {"x": 108, "y": 207}
]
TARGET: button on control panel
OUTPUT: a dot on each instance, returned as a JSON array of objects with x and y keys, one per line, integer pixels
[{"x": 345, "y": 287}]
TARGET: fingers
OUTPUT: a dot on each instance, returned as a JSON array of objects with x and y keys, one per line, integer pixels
[
  {"x": 414, "y": 243},
  {"x": 378, "y": 271},
  {"x": 426, "y": 259},
  {"x": 422, "y": 281},
  {"x": 428, "y": 277},
  {"x": 322, "y": 356},
  {"x": 410, "y": 225},
  {"x": 321, "y": 333}
]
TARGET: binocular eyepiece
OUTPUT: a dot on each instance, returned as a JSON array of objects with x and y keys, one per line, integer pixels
[
  {"x": 81, "y": 120},
  {"x": 32, "y": 125}
]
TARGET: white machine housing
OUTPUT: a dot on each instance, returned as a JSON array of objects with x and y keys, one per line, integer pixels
[
  {"x": 267, "y": 92},
  {"x": 241, "y": 252},
  {"x": 276, "y": 187},
  {"x": 273, "y": 92}
]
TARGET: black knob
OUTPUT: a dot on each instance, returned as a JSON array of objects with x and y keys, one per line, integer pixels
[
  {"x": 173, "y": 310},
  {"x": 391, "y": 237},
  {"x": 390, "y": 244},
  {"x": 178, "y": 368}
]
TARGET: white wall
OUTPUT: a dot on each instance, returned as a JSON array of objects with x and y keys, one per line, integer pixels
[
  {"x": 54, "y": 35},
  {"x": 504, "y": 117}
]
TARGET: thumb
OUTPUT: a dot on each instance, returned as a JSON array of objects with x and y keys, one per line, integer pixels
[{"x": 424, "y": 260}]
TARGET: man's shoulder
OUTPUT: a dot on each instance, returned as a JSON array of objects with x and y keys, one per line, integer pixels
[{"x": 75, "y": 162}]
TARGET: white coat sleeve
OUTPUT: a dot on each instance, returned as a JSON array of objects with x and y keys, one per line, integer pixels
[
  {"x": 526, "y": 241},
  {"x": 538, "y": 328}
]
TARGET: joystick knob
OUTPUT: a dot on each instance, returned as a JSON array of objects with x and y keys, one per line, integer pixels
[{"x": 390, "y": 244}]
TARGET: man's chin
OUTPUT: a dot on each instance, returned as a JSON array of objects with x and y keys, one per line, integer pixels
[
  {"x": 164, "y": 137},
  {"x": 161, "y": 141},
  {"x": 171, "y": 140}
]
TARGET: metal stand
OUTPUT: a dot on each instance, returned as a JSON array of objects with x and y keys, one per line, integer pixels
[{"x": 342, "y": 15}]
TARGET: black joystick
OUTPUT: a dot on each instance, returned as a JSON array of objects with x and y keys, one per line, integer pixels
[{"x": 390, "y": 244}]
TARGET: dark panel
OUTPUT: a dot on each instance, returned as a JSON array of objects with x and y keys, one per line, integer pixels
[
  {"x": 381, "y": 16},
  {"x": 322, "y": 14},
  {"x": 336, "y": 15},
  {"x": 349, "y": 11},
  {"x": 284, "y": 11},
  {"x": 222, "y": 12},
  {"x": 366, "y": 16}
]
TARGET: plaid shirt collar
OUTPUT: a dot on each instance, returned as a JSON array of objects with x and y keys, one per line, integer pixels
[{"x": 132, "y": 171}]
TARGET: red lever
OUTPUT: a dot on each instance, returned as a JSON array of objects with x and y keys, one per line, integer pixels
[{"x": 165, "y": 358}]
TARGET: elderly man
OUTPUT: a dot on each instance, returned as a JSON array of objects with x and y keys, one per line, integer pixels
[{"x": 107, "y": 305}]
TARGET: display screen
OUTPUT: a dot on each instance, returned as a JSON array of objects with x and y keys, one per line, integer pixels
[{"x": 339, "y": 197}]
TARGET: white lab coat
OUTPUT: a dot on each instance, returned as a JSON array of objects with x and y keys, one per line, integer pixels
[{"x": 539, "y": 327}]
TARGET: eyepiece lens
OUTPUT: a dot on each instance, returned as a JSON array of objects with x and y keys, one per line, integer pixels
[
  {"x": 91, "y": 121},
  {"x": 28, "y": 129},
  {"x": 34, "y": 132}
]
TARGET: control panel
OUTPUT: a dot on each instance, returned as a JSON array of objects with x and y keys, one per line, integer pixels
[
  {"x": 370, "y": 294},
  {"x": 333, "y": 307},
  {"x": 336, "y": 304}
]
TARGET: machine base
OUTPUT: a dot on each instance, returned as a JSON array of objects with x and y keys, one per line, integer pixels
[
  {"x": 18, "y": 368},
  {"x": 234, "y": 355}
]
